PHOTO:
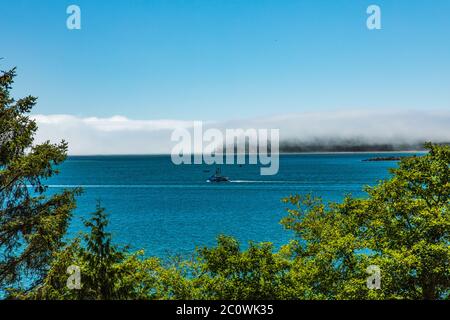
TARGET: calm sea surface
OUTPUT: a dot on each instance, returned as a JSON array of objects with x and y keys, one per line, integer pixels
[{"x": 168, "y": 209}]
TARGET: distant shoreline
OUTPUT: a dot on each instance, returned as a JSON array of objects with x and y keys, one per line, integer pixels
[{"x": 281, "y": 153}]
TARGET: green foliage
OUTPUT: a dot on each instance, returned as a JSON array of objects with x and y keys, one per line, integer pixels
[
  {"x": 227, "y": 272},
  {"x": 403, "y": 227},
  {"x": 409, "y": 226},
  {"x": 31, "y": 225},
  {"x": 107, "y": 271}
]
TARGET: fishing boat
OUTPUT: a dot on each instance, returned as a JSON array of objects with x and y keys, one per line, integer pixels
[{"x": 217, "y": 177}]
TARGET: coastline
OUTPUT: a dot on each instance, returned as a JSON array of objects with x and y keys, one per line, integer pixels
[{"x": 281, "y": 153}]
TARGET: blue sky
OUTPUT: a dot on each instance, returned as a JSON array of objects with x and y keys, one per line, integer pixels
[{"x": 227, "y": 59}]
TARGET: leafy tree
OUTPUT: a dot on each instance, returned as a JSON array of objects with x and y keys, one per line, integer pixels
[
  {"x": 107, "y": 271},
  {"x": 32, "y": 225},
  {"x": 403, "y": 227},
  {"x": 330, "y": 254},
  {"x": 227, "y": 272}
]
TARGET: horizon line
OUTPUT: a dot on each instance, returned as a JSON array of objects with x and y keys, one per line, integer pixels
[{"x": 280, "y": 153}]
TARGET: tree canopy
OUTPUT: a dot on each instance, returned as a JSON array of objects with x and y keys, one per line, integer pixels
[
  {"x": 402, "y": 227},
  {"x": 32, "y": 224}
]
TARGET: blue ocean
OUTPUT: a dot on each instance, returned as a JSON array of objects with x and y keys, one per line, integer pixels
[{"x": 169, "y": 209}]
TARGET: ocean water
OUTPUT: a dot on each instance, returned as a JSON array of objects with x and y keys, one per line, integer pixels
[{"x": 167, "y": 209}]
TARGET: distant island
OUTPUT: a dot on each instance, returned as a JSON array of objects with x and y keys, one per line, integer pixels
[
  {"x": 349, "y": 145},
  {"x": 384, "y": 159},
  {"x": 322, "y": 145}
]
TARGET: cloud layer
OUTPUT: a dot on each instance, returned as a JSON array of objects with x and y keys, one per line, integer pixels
[{"x": 120, "y": 135}]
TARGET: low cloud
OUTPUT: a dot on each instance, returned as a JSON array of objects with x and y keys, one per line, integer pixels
[
  {"x": 298, "y": 132},
  {"x": 115, "y": 135}
]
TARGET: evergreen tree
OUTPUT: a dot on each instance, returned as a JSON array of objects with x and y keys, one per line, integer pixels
[
  {"x": 107, "y": 272},
  {"x": 100, "y": 256},
  {"x": 32, "y": 224}
]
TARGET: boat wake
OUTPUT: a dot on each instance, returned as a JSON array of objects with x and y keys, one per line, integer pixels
[{"x": 257, "y": 181}]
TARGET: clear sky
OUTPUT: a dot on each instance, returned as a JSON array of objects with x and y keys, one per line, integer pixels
[{"x": 227, "y": 59}]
